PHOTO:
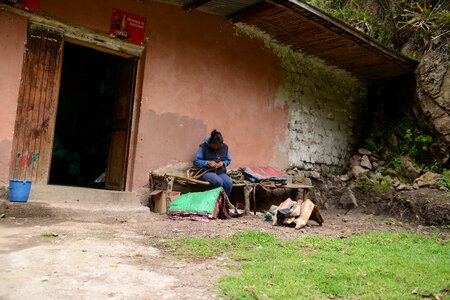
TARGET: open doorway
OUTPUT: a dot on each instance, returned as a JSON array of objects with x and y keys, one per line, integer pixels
[{"x": 93, "y": 120}]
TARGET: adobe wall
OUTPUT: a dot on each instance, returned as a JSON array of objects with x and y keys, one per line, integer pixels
[
  {"x": 326, "y": 106},
  {"x": 200, "y": 76},
  {"x": 12, "y": 37},
  {"x": 273, "y": 106}
]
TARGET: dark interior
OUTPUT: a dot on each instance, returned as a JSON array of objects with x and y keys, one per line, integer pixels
[{"x": 84, "y": 118}]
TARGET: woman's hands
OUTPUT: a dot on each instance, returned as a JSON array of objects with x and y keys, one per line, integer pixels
[{"x": 215, "y": 165}]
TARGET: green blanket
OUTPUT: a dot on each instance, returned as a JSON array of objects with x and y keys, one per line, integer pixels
[{"x": 196, "y": 203}]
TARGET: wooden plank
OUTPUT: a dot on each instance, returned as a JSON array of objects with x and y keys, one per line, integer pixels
[
  {"x": 47, "y": 126},
  {"x": 88, "y": 35},
  {"x": 35, "y": 119},
  {"x": 181, "y": 179},
  {"x": 40, "y": 140},
  {"x": 135, "y": 122},
  {"x": 122, "y": 114},
  {"x": 33, "y": 109}
]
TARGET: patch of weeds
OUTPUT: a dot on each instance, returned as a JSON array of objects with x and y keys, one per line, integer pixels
[
  {"x": 445, "y": 196},
  {"x": 382, "y": 182},
  {"x": 394, "y": 222},
  {"x": 438, "y": 228},
  {"x": 395, "y": 163},
  {"x": 375, "y": 186},
  {"x": 49, "y": 234},
  {"x": 375, "y": 219},
  {"x": 339, "y": 170},
  {"x": 445, "y": 181},
  {"x": 383, "y": 187},
  {"x": 369, "y": 266}
]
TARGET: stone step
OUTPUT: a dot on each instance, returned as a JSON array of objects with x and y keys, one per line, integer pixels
[{"x": 86, "y": 198}]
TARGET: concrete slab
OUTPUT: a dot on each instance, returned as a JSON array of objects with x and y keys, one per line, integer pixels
[{"x": 86, "y": 199}]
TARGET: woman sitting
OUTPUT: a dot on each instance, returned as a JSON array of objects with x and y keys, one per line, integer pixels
[{"x": 213, "y": 156}]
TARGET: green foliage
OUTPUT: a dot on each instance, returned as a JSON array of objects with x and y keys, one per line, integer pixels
[
  {"x": 372, "y": 145},
  {"x": 339, "y": 170},
  {"x": 370, "y": 266},
  {"x": 356, "y": 15},
  {"x": 395, "y": 163},
  {"x": 382, "y": 182},
  {"x": 426, "y": 22},
  {"x": 429, "y": 24},
  {"x": 414, "y": 143},
  {"x": 403, "y": 138},
  {"x": 445, "y": 181},
  {"x": 378, "y": 183}
]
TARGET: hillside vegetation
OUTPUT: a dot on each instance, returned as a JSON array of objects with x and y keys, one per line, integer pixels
[{"x": 411, "y": 27}]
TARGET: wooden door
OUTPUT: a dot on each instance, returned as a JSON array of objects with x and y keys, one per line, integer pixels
[
  {"x": 122, "y": 115},
  {"x": 37, "y": 105}
]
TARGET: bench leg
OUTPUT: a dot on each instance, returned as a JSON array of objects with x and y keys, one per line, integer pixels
[
  {"x": 305, "y": 194},
  {"x": 254, "y": 199},
  {"x": 247, "y": 192},
  {"x": 170, "y": 180}
]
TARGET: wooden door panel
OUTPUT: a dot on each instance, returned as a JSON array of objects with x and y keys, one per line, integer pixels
[
  {"x": 120, "y": 139},
  {"x": 37, "y": 104},
  {"x": 116, "y": 157}
]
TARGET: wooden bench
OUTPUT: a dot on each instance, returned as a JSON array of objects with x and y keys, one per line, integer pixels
[{"x": 249, "y": 188}]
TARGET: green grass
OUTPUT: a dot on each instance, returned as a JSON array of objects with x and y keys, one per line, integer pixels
[{"x": 370, "y": 266}]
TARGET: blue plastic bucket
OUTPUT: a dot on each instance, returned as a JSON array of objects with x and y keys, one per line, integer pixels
[{"x": 19, "y": 190}]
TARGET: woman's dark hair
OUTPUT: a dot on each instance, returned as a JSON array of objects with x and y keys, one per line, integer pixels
[{"x": 216, "y": 137}]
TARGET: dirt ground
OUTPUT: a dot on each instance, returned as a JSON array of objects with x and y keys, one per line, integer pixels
[{"x": 50, "y": 253}]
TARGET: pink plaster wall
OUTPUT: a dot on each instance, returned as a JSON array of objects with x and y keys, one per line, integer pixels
[
  {"x": 12, "y": 36},
  {"x": 199, "y": 75},
  {"x": 198, "y": 67}
]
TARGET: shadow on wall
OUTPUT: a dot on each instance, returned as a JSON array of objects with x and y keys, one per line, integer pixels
[{"x": 166, "y": 139}]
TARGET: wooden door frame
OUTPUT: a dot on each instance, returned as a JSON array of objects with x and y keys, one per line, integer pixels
[
  {"x": 138, "y": 86},
  {"x": 137, "y": 95},
  {"x": 100, "y": 41}
]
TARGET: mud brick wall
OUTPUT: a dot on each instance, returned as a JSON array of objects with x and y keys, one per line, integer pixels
[{"x": 327, "y": 107}]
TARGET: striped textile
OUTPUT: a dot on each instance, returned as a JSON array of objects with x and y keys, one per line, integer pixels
[{"x": 258, "y": 173}]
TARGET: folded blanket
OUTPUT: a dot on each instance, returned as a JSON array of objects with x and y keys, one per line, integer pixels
[
  {"x": 211, "y": 203},
  {"x": 255, "y": 174}
]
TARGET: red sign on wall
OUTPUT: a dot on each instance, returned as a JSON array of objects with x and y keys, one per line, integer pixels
[
  {"x": 31, "y": 5},
  {"x": 127, "y": 26}
]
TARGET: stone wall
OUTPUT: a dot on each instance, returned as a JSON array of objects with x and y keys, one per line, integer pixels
[{"x": 326, "y": 106}]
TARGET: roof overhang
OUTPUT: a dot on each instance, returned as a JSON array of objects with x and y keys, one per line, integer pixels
[{"x": 307, "y": 29}]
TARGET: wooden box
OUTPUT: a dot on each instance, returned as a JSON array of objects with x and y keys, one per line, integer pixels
[{"x": 158, "y": 200}]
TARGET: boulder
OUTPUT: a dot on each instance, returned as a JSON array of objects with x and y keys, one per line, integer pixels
[
  {"x": 344, "y": 178},
  {"x": 433, "y": 97},
  {"x": 292, "y": 172},
  {"x": 401, "y": 187},
  {"x": 365, "y": 162},
  {"x": 429, "y": 179},
  {"x": 359, "y": 172},
  {"x": 348, "y": 199},
  {"x": 298, "y": 177},
  {"x": 375, "y": 165},
  {"x": 315, "y": 175},
  {"x": 409, "y": 167},
  {"x": 364, "y": 152},
  {"x": 306, "y": 181}
]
